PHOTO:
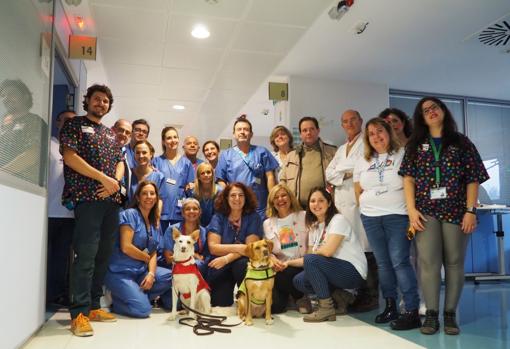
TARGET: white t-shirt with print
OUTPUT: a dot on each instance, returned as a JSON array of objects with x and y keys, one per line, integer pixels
[
  {"x": 288, "y": 235},
  {"x": 349, "y": 250},
  {"x": 384, "y": 197}
]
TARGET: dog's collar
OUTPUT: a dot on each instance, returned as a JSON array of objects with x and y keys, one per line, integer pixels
[
  {"x": 179, "y": 262},
  {"x": 259, "y": 273}
]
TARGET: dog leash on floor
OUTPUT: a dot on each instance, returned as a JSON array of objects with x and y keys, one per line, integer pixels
[{"x": 206, "y": 324}]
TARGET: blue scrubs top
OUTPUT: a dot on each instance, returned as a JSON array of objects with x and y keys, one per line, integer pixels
[
  {"x": 250, "y": 224},
  {"x": 200, "y": 246},
  {"x": 142, "y": 238},
  {"x": 207, "y": 207},
  {"x": 158, "y": 178},
  {"x": 176, "y": 178},
  {"x": 250, "y": 169}
]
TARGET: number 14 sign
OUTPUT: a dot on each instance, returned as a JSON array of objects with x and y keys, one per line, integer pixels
[{"x": 82, "y": 47}]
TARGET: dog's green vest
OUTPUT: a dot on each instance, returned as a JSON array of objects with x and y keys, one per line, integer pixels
[{"x": 259, "y": 275}]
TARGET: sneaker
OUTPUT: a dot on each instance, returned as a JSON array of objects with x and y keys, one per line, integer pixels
[
  {"x": 100, "y": 315},
  {"x": 304, "y": 305},
  {"x": 80, "y": 326}
]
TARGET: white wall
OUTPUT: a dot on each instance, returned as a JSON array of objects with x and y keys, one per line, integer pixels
[
  {"x": 23, "y": 257},
  {"x": 263, "y": 114},
  {"x": 321, "y": 98},
  {"x": 327, "y": 99}
]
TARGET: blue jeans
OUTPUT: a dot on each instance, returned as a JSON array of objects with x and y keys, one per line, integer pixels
[{"x": 387, "y": 236}]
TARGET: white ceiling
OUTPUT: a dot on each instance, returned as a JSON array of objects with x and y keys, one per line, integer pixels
[
  {"x": 152, "y": 62},
  {"x": 427, "y": 45}
]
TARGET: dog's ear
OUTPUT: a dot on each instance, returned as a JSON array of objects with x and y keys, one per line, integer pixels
[
  {"x": 249, "y": 250},
  {"x": 176, "y": 233},
  {"x": 195, "y": 235},
  {"x": 270, "y": 245}
]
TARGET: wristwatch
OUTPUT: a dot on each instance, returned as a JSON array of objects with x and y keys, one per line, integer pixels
[{"x": 471, "y": 210}]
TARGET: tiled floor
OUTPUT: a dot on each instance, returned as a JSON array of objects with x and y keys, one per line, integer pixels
[{"x": 483, "y": 317}]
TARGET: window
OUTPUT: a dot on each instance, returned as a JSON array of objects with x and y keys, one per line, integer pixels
[{"x": 25, "y": 46}]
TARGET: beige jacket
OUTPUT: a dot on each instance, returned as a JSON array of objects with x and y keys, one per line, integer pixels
[{"x": 291, "y": 172}]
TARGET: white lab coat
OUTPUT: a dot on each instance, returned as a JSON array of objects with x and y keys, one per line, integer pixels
[{"x": 345, "y": 200}]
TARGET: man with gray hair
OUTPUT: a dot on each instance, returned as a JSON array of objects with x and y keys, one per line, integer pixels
[{"x": 339, "y": 174}]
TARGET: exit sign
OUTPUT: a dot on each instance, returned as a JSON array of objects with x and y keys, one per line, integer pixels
[{"x": 82, "y": 47}]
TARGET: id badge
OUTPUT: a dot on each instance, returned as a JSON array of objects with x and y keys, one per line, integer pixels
[
  {"x": 379, "y": 190},
  {"x": 87, "y": 129},
  {"x": 258, "y": 180},
  {"x": 438, "y": 193},
  {"x": 179, "y": 203},
  {"x": 171, "y": 181}
]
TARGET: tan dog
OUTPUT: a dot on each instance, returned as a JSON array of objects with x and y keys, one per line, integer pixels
[{"x": 255, "y": 295}]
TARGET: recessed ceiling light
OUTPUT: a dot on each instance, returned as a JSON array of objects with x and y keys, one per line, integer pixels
[
  {"x": 178, "y": 107},
  {"x": 200, "y": 32}
]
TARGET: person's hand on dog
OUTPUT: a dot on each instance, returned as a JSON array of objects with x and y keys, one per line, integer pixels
[
  {"x": 147, "y": 282},
  {"x": 278, "y": 265},
  {"x": 198, "y": 256}
]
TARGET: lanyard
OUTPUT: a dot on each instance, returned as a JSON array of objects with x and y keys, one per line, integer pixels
[
  {"x": 149, "y": 236},
  {"x": 319, "y": 238},
  {"x": 437, "y": 152},
  {"x": 379, "y": 166}
]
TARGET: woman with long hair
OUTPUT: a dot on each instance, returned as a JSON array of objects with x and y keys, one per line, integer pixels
[
  {"x": 286, "y": 227},
  {"x": 205, "y": 190},
  {"x": 380, "y": 195},
  {"x": 442, "y": 171},
  {"x": 282, "y": 141},
  {"x": 336, "y": 259},
  {"x": 234, "y": 225},
  {"x": 399, "y": 122},
  {"x": 133, "y": 276},
  {"x": 179, "y": 175},
  {"x": 211, "y": 151}
]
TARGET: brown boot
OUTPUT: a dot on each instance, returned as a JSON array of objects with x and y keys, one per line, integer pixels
[
  {"x": 326, "y": 312},
  {"x": 342, "y": 300}
]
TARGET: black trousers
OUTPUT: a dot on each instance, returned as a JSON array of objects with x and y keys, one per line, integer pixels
[
  {"x": 93, "y": 239},
  {"x": 283, "y": 287},
  {"x": 60, "y": 236},
  {"x": 222, "y": 282}
]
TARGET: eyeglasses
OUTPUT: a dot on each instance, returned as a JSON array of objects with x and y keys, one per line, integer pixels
[
  {"x": 432, "y": 108},
  {"x": 124, "y": 131},
  {"x": 141, "y": 130}
]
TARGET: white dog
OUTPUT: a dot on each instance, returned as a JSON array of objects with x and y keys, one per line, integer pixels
[{"x": 187, "y": 280}]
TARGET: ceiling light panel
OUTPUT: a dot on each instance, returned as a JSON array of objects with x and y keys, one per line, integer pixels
[{"x": 181, "y": 26}]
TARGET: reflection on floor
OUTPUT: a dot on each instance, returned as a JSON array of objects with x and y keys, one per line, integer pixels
[{"x": 483, "y": 318}]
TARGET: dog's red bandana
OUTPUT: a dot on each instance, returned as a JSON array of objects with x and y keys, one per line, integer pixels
[{"x": 180, "y": 268}]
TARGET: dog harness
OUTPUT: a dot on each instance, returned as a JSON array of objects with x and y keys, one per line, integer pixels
[
  {"x": 258, "y": 275},
  {"x": 180, "y": 268}
]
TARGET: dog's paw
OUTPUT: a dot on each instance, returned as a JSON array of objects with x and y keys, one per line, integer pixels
[
  {"x": 248, "y": 323},
  {"x": 269, "y": 322},
  {"x": 171, "y": 317}
]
